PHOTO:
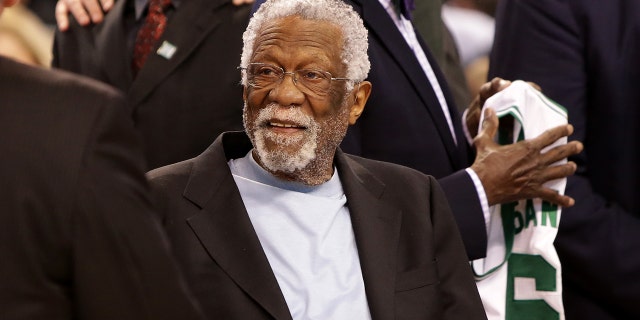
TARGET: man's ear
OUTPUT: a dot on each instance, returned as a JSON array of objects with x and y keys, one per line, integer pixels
[{"x": 363, "y": 90}]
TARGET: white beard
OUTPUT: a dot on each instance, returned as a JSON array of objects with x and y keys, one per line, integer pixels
[{"x": 283, "y": 160}]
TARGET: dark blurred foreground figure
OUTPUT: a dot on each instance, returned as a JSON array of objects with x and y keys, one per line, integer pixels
[
  {"x": 279, "y": 223},
  {"x": 78, "y": 239},
  {"x": 589, "y": 65}
]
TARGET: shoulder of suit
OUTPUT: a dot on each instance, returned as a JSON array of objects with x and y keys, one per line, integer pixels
[
  {"x": 171, "y": 174},
  {"x": 55, "y": 79},
  {"x": 383, "y": 168}
]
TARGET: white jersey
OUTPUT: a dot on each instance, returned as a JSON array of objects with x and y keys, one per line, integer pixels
[{"x": 521, "y": 276}]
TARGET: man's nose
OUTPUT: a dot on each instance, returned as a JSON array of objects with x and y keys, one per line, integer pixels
[{"x": 286, "y": 91}]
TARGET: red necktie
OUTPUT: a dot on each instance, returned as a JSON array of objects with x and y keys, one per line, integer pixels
[{"x": 150, "y": 32}]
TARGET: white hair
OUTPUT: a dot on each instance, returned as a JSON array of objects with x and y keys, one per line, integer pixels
[{"x": 354, "y": 49}]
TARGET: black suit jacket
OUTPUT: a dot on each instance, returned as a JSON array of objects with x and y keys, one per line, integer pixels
[
  {"x": 181, "y": 104},
  {"x": 412, "y": 259},
  {"x": 584, "y": 55},
  {"x": 77, "y": 236}
]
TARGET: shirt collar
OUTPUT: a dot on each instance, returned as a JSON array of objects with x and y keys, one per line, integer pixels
[
  {"x": 248, "y": 168},
  {"x": 140, "y": 5}
]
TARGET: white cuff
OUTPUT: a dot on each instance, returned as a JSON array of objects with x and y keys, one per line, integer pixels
[{"x": 482, "y": 196}]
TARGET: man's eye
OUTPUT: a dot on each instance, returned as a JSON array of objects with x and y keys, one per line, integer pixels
[
  {"x": 267, "y": 72},
  {"x": 311, "y": 75}
]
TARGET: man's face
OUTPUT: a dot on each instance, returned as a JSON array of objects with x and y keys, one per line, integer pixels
[{"x": 294, "y": 129}]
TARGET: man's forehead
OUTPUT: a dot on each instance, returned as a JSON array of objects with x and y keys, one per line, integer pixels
[{"x": 295, "y": 28}]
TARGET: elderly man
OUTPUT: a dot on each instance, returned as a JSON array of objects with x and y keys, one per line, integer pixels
[{"x": 278, "y": 223}]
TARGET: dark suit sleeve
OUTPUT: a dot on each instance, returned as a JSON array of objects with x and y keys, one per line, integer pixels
[
  {"x": 460, "y": 297},
  {"x": 544, "y": 42},
  {"x": 122, "y": 265},
  {"x": 467, "y": 210}
]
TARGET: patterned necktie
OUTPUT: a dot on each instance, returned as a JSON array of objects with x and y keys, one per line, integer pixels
[
  {"x": 404, "y": 7},
  {"x": 149, "y": 33}
]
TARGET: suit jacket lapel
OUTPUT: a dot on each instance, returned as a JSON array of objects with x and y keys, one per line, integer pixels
[
  {"x": 189, "y": 26},
  {"x": 111, "y": 48},
  {"x": 462, "y": 145},
  {"x": 379, "y": 23},
  {"x": 376, "y": 225},
  {"x": 225, "y": 230}
]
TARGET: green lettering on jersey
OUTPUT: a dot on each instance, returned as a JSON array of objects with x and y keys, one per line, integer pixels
[
  {"x": 550, "y": 213},
  {"x": 544, "y": 274},
  {"x": 530, "y": 214},
  {"x": 509, "y": 213}
]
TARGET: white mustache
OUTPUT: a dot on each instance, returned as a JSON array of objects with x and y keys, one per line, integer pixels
[{"x": 275, "y": 112}]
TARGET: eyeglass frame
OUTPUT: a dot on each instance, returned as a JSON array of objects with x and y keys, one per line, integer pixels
[{"x": 294, "y": 77}]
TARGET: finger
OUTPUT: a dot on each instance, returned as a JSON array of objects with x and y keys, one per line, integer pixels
[
  {"x": 490, "y": 88},
  {"x": 550, "y": 136},
  {"x": 561, "y": 152},
  {"x": 93, "y": 7},
  {"x": 554, "y": 197},
  {"x": 73, "y": 7},
  {"x": 106, "y": 5},
  {"x": 489, "y": 129},
  {"x": 62, "y": 18},
  {"x": 501, "y": 84},
  {"x": 485, "y": 90},
  {"x": 559, "y": 171}
]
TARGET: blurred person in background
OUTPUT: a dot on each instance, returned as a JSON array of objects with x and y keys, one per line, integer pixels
[
  {"x": 472, "y": 26},
  {"x": 24, "y": 37},
  {"x": 584, "y": 54},
  {"x": 175, "y": 60}
]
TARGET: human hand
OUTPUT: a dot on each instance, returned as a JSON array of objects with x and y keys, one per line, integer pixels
[
  {"x": 472, "y": 116},
  {"x": 84, "y": 11},
  {"x": 518, "y": 171}
]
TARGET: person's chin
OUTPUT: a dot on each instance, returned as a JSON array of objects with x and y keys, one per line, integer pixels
[{"x": 275, "y": 148}]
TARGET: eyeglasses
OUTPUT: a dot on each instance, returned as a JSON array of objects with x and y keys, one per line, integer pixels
[{"x": 263, "y": 75}]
